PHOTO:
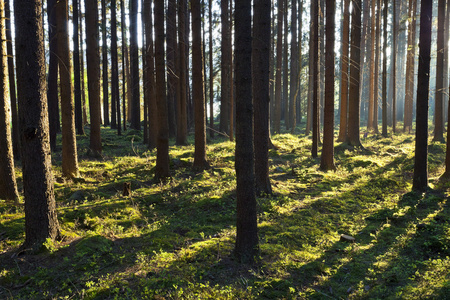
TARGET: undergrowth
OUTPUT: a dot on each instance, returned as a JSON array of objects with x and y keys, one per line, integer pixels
[{"x": 174, "y": 240}]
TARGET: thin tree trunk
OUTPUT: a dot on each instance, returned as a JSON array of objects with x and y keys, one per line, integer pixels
[
  {"x": 285, "y": 98},
  {"x": 172, "y": 78},
  {"x": 211, "y": 73},
  {"x": 344, "y": 73},
  {"x": 409, "y": 84},
  {"x": 125, "y": 77},
  {"x": 134, "y": 66},
  {"x": 316, "y": 79},
  {"x": 225, "y": 68},
  {"x": 181, "y": 138},
  {"x": 439, "y": 96},
  {"x": 394, "y": 67},
  {"x": 115, "y": 103},
  {"x": 105, "y": 67},
  {"x": 52, "y": 91},
  {"x": 83, "y": 90},
  {"x": 77, "y": 72},
  {"x": 384, "y": 76},
  {"x": 377, "y": 68},
  {"x": 69, "y": 145},
  {"x": 279, "y": 56}
]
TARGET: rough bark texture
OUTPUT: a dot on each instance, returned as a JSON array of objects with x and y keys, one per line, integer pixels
[
  {"x": 353, "y": 102},
  {"x": 69, "y": 144},
  {"x": 261, "y": 100},
  {"x": 420, "y": 179},
  {"x": 41, "y": 221},
  {"x": 344, "y": 74},
  {"x": 134, "y": 67},
  {"x": 162, "y": 156},
  {"x": 77, "y": 72},
  {"x": 105, "y": 67},
  {"x": 198, "y": 92},
  {"x": 327, "y": 159},
  {"x": 8, "y": 185},
  {"x": 93, "y": 73},
  {"x": 246, "y": 224}
]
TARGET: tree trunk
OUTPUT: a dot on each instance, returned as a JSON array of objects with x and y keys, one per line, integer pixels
[
  {"x": 327, "y": 159},
  {"x": 125, "y": 77},
  {"x": 294, "y": 68},
  {"x": 134, "y": 67},
  {"x": 52, "y": 91},
  {"x": 353, "y": 103},
  {"x": 41, "y": 221},
  {"x": 285, "y": 99},
  {"x": 77, "y": 72},
  {"x": 439, "y": 96},
  {"x": 8, "y": 185},
  {"x": 93, "y": 74},
  {"x": 115, "y": 102},
  {"x": 279, "y": 56},
  {"x": 225, "y": 68},
  {"x": 172, "y": 78},
  {"x": 377, "y": 68},
  {"x": 181, "y": 138},
  {"x": 394, "y": 67},
  {"x": 162, "y": 156},
  {"x": 83, "y": 90},
  {"x": 420, "y": 179},
  {"x": 211, "y": 73},
  {"x": 384, "y": 76},
  {"x": 246, "y": 224},
  {"x": 198, "y": 92},
  {"x": 316, "y": 79},
  {"x": 69, "y": 145},
  {"x": 261, "y": 99},
  {"x": 409, "y": 84},
  {"x": 344, "y": 74},
  {"x": 12, "y": 83},
  {"x": 105, "y": 67}
]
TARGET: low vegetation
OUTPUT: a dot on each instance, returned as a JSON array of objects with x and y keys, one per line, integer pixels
[{"x": 174, "y": 240}]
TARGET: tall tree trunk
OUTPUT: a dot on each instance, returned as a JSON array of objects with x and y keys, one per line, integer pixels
[
  {"x": 77, "y": 72},
  {"x": 134, "y": 66},
  {"x": 230, "y": 53},
  {"x": 261, "y": 99},
  {"x": 394, "y": 67},
  {"x": 420, "y": 179},
  {"x": 93, "y": 74},
  {"x": 172, "y": 79},
  {"x": 372, "y": 88},
  {"x": 327, "y": 159},
  {"x": 294, "y": 74},
  {"x": 384, "y": 76},
  {"x": 69, "y": 144},
  {"x": 52, "y": 91},
  {"x": 377, "y": 68},
  {"x": 439, "y": 96},
  {"x": 105, "y": 67},
  {"x": 125, "y": 77},
  {"x": 8, "y": 185},
  {"x": 150, "y": 77},
  {"x": 246, "y": 246},
  {"x": 285, "y": 99},
  {"x": 344, "y": 73},
  {"x": 181, "y": 138},
  {"x": 115, "y": 103},
  {"x": 83, "y": 90},
  {"x": 12, "y": 83},
  {"x": 198, "y": 92},
  {"x": 162, "y": 156},
  {"x": 41, "y": 221},
  {"x": 316, "y": 80},
  {"x": 211, "y": 72},
  {"x": 278, "y": 87},
  {"x": 409, "y": 84},
  {"x": 353, "y": 103},
  {"x": 225, "y": 68}
]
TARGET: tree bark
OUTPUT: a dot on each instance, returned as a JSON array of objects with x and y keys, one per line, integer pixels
[
  {"x": 93, "y": 74},
  {"x": 294, "y": 72},
  {"x": 198, "y": 92},
  {"x": 52, "y": 91},
  {"x": 172, "y": 78},
  {"x": 115, "y": 102},
  {"x": 327, "y": 159},
  {"x": 344, "y": 74},
  {"x": 439, "y": 95},
  {"x": 279, "y": 56},
  {"x": 246, "y": 247},
  {"x": 384, "y": 75},
  {"x": 409, "y": 84},
  {"x": 125, "y": 77},
  {"x": 211, "y": 73},
  {"x": 225, "y": 68},
  {"x": 77, "y": 72},
  {"x": 41, "y": 221},
  {"x": 162, "y": 156},
  {"x": 316, "y": 80},
  {"x": 134, "y": 67},
  {"x": 105, "y": 68},
  {"x": 69, "y": 144},
  {"x": 420, "y": 178},
  {"x": 353, "y": 137},
  {"x": 181, "y": 138}
]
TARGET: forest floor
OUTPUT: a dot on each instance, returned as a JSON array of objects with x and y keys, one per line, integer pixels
[{"x": 174, "y": 240}]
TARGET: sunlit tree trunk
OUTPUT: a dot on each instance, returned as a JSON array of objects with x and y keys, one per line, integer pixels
[
  {"x": 225, "y": 67},
  {"x": 105, "y": 67},
  {"x": 394, "y": 67},
  {"x": 420, "y": 178},
  {"x": 384, "y": 75},
  {"x": 439, "y": 96},
  {"x": 181, "y": 138},
  {"x": 344, "y": 73},
  {"x": 125, "y": 77},
  {"x": 115, "y": 102},
  {"x": 93, "y": 75},
  {"x": 409, "y": 84},
  {"x": 77, "y": 71},
  {"x": 211, "y": 72},
  {"x": 285, "y": 99},
  {"x": 52, "y": 91},
  {"x": 316, "y": 80},
  {"x": 279, "y": 57},
  {"x": 172, "y": 78}
]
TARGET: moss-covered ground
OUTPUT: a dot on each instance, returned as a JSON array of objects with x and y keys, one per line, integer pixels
[{"x": 174, "y": 240}]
